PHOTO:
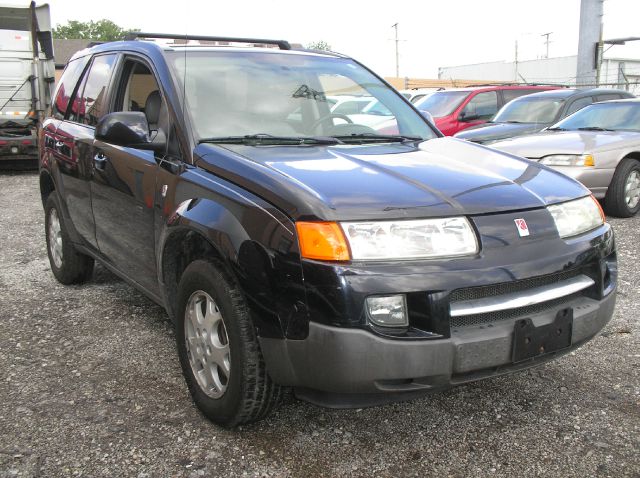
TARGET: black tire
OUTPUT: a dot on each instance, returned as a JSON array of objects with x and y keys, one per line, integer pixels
[
  {"x": 250, "y": 393},
  {"x": 615, "y": 203},
  {"x": 71, "y": 267}
]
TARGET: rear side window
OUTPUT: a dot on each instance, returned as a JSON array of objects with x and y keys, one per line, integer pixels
[
  {"x": 66, "y": 86},
  {"x": 608, "y": 97},
  {"x": 90, "y": 102}
]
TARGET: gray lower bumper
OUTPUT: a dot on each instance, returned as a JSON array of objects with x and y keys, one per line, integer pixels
[{"x": 353, "y": 361}]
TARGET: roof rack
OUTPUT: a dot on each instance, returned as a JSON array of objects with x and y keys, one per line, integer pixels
[{"x": 282, "y": 44}]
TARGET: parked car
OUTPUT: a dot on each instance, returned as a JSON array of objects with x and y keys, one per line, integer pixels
[
  {"x": 532, "y": 113},
  {"x": 312, "y": 252},
  {"x": 457, "y": 109},
  {"x": 415, "y": 94},
  {"x": 599, "y": 146}
]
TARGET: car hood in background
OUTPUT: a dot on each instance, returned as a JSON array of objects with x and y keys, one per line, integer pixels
[
  {"x": 567, "y": 142},
  {"x": 439, "y": 177},
  {"x": 496, "y": 131}
]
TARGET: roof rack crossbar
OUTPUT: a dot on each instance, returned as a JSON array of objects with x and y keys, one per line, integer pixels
[{"x": 282, "y": 44}]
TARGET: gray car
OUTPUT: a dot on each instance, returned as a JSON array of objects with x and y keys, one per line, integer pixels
[
  {"x": 532, "y": 113},
  {"x": 599, "y": 146}
]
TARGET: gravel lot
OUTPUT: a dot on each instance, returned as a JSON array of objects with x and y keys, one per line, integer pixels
[{"x": 91, "y": 386}]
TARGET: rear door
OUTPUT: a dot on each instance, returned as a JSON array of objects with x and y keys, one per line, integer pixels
[
  {"x": 73, "y": 145},
  {"x": 123, "y": 185}
]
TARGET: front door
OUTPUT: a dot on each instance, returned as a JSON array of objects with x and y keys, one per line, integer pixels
[{"x": 123, "y": 186}]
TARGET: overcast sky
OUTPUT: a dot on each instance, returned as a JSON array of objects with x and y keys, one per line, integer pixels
[{"x": 432, "y": 33}]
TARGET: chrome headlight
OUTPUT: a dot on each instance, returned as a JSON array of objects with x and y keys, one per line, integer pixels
[
  {"x": 578, "y": 216},
  {"x": 568, "y": 160},
  {"x": 412, "y": 239}
]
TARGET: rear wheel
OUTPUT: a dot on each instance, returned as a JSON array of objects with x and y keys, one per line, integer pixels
[
  {"x": 67, "y": 264},
  {"x": 219, "y": 350},
  {"x": 623, "y": 195}
]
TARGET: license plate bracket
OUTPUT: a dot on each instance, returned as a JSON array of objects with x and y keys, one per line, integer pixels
[{"x": 530, "y": 341}]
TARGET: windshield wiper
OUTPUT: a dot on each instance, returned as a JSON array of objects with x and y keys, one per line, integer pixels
[
  {"x": 593, "y": 128},
  {"x": 361, "y": 138},
  {"x": 512, "y": 122},
  {"x": 268, "y": 139},
  {"x": 556, "y": 129}
]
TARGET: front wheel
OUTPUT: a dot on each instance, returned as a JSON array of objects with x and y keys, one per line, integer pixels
[
  {"x": 623, "y": 195},
  {"x": 219, "y": 350}
]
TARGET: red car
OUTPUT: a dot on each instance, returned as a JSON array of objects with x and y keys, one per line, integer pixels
[{"x": 460, "y": 108}]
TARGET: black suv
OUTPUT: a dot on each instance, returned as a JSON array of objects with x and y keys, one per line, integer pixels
[{"x": 293, "y": 247}]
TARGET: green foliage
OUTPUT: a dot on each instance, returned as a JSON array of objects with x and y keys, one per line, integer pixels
[
  {"x": 319, "y": 45},
  {"x": 102, "y": 30}
]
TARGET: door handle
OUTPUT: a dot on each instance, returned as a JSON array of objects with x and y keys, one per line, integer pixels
[{"x": 100, "y": 161}]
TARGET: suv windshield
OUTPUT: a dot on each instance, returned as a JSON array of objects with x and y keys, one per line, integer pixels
[
  {"x": 604, "y": 116},
  {"x": 529, "y": 110},
  {"x": 268, "y": 94},
  {"x": 441, "y": 103}
]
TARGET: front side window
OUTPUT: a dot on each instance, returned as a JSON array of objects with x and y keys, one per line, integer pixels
[
  {"x": 604, "y": 116},
  {"x": 229, "y": 93},
  {"x": 579, "y": 104},
  {"x": 90, "y": 102},
  {"x": 482, "y": 106},
  {"x": 529, "y": 110}
]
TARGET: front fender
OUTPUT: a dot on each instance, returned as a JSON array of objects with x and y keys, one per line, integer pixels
[{"x": 258, "y": 246}]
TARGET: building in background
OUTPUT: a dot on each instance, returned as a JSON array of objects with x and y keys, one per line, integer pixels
[{"x": 623, "y": 73}]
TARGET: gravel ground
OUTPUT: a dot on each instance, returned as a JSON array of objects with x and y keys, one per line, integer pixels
[{"x": 91, "y": 386}]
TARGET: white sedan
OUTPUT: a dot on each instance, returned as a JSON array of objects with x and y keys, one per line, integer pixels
[{"x": 599, "y": 146}]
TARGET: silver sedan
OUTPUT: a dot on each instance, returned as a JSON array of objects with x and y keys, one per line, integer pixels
[{"x": 599, "y": 146}]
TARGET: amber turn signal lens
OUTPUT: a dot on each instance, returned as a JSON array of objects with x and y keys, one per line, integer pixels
[
  {"x": 604, "y": 218},
  {"x": 323, "y": 241}
]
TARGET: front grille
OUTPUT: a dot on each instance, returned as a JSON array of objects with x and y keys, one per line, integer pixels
[
  {"x": 492, "y": 290},
  {"x": 492, "y": 317}
]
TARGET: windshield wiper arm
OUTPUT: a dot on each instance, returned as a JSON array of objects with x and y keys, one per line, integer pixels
[
  {"x": 383, "y": 138},
  {"x": 263, "y": 138},
  {"x": 594, "y": 128},
  {"x": 556, "y": 129}
]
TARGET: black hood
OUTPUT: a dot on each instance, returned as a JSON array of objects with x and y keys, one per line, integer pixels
[{"x": 439, "y": 177}]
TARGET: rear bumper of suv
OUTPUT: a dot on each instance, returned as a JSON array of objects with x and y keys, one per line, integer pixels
[{"x": 349, "y": 367}]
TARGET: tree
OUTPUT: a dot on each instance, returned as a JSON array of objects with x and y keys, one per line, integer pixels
[
  {"x": 319, "y": 45},
  {"x": 102, "y": 30}
]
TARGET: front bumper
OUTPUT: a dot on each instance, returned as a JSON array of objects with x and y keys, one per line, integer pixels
[
  {"x": 597, "y": 180},
  {"x": 352, "y": 367}
]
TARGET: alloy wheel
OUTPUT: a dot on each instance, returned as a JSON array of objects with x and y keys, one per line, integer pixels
[{"x": 207, "y": 344}]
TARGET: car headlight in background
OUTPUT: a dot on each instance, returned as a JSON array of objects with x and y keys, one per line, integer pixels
[
  {"x": 387, "y": 240},
  {"x": 410, "y": 239},
  {"x": 568, "y": 160},
  {"x": 577, "y": 216}
]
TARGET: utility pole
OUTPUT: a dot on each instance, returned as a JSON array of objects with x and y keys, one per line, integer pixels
[
  {"x": 547, "y": 42},
  {"x": 515, "y": 76},
  {"x": 588, "y": 40},
  {"x": 395, "y": 25}
]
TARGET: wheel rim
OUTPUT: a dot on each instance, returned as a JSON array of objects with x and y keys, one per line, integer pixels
[
  {"x": 55, "y": 238},
  {"x": 632, "y": 189},
  {"x": 207, "y": 344}
]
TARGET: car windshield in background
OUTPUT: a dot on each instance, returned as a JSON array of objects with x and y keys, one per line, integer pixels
[
  {"x": 529, "y": 110},
  {"x": 624, "y": 116},
  {"x": 441, "y": 103},
  {"x": 269, "y": 94}
]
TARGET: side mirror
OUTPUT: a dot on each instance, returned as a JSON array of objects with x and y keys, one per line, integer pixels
[
  {"x": 428, "y": 116},
  {"x": 468, "y": 116},
  {"x": 126, "y": 128}
]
